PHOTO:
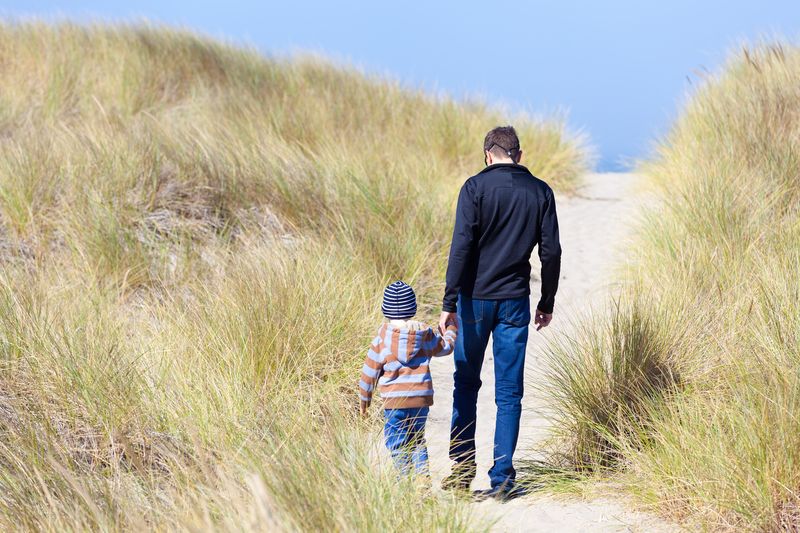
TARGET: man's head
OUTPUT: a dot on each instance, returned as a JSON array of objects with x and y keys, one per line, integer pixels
[{"x": 501, "y": 145}]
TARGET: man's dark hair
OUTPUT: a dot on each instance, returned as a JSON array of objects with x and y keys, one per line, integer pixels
[{"x": 502, "y": 142}]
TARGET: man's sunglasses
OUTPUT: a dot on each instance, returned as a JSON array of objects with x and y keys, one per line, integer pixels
[{"x": 509, "y": 153}]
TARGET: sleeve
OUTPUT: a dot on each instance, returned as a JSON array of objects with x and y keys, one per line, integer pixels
[
  {"x": 461, "y": 247},
  {"x": 549, "y": 253},
  {"x": 436, "y": 345},
  {"x": 371, "y": 371}
]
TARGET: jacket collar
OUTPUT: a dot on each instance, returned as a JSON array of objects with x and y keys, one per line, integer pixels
[{"x": 503, "y": 165}]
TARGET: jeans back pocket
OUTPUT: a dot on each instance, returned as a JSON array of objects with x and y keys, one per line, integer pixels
[{"x": 517, "y": 311}]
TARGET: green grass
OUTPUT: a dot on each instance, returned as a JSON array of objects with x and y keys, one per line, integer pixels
[
  {"x": 713, "y": 300},
  {"x": 194, "y": 239}
]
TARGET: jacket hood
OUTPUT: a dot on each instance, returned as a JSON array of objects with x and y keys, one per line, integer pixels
[{"x": 408, "y": 341}]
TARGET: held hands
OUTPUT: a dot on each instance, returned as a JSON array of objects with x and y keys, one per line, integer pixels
[
  {"x": 542, "y": 319},
  {"x": 447, "y": 319}
]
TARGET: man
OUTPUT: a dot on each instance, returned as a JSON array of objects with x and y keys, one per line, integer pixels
[{"x": 503, "y": 212}]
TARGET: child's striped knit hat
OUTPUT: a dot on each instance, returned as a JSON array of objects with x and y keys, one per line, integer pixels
[{"x": 399, "y": 301}]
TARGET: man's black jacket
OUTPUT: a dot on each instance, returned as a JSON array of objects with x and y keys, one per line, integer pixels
[{"x": 502, "y": 213}]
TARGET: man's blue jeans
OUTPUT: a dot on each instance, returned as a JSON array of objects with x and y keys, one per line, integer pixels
[
  {"x": 405, "y": 437},
  {"x": 507, "y": 321}
]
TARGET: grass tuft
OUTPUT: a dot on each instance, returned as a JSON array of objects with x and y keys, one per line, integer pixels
[{"x": 713, "y": 313}]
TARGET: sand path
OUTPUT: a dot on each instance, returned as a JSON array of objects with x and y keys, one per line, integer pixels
[{"x": 595, "y": 226}]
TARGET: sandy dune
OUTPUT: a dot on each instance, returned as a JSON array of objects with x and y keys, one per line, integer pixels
[{"x": 595, "y": 226}]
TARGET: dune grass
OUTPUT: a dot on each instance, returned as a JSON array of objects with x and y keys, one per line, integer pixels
[
  {"x": 713, "y": 305},
  {"x": 194, "y": 239}
]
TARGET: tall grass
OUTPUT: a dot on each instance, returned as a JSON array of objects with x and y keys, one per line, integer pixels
[
  {"x": 193, "y": 240},
  {"x": 715, "y": 290}
]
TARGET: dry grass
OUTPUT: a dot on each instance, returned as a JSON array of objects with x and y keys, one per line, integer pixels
[
  {"x": 716, "y": 282},
  {"x": 194, "y": 238}
]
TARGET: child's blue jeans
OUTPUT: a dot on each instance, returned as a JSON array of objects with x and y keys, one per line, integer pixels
[{"x": 405, "y": 437}]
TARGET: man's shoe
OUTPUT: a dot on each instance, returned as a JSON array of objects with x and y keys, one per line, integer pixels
[
  {"x": 456, "y": 482},
  {"x": 502, "y": 493},
  {"x": 460, "y": 479}
]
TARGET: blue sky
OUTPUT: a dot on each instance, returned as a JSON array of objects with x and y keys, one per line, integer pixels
[{"x": 620, "y": 68}]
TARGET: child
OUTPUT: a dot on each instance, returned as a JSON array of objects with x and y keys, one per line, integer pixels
[{"x": 398, "y": 361}]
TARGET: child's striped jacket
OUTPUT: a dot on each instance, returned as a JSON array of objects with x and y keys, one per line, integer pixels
[{"x": 398, "y": 361}]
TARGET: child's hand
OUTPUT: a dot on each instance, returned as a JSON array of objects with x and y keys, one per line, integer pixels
[
  {"x": 364, "y": 407},
  {"x": 447, "y": 319}
]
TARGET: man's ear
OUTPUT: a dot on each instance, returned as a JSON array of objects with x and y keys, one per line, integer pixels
[
  {"x": 489, "y": 159},
  {"x": 519, "y": 156}
]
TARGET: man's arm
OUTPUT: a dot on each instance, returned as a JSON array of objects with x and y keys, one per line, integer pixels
[
  {"x": 462, "y": 245},
  {"x": 549, "y": 255}
]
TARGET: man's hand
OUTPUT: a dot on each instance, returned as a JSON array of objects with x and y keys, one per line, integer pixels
[
  {"x": 364, "y": 407},
  {"x": 447, "y": 319},
  {"x": 542, "y": 319}
]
